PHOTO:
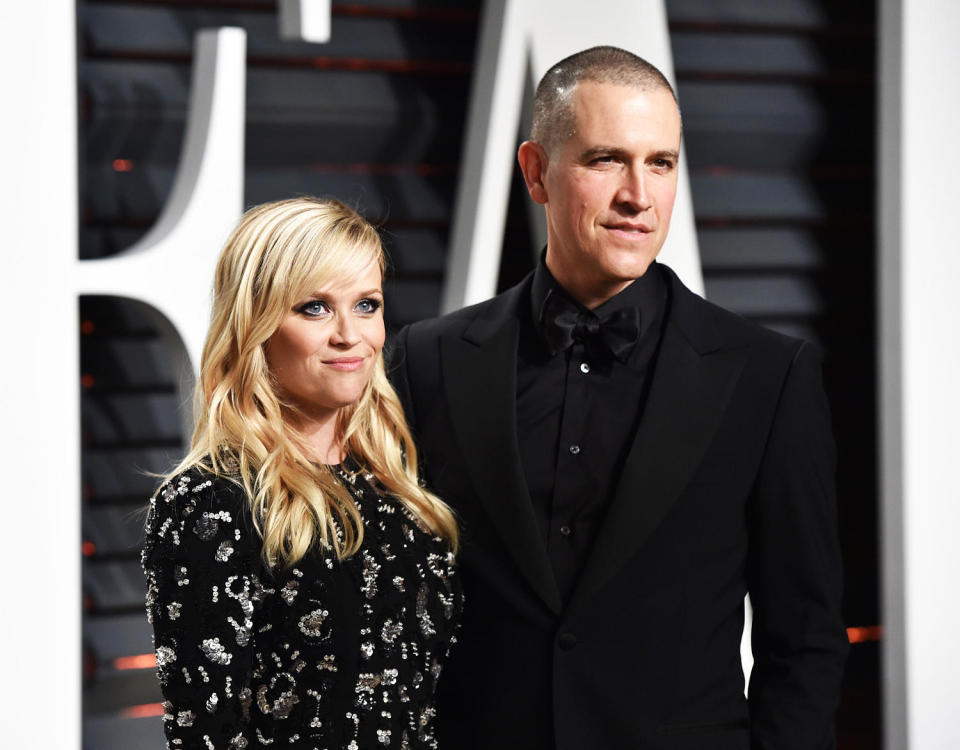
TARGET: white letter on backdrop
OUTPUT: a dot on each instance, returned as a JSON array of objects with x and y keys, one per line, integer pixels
[
  {"x": 172, "y": 266},
  {"x": 305, "y": 20}
]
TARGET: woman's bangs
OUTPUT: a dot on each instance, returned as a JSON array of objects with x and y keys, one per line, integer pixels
[{"x": 336, "y": 264}]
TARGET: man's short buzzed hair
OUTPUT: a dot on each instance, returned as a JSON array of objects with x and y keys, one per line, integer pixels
[{"x": 553, "y": 116}]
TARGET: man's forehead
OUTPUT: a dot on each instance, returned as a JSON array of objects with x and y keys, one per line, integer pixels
[
  {"x": 609, "y": 111},
  {"x": 592, "y": 94}
]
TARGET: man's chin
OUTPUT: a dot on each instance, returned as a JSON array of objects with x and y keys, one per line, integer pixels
[{"x": 631, "y": 267}]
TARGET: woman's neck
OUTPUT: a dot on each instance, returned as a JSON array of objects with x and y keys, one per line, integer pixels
[{"x": 320, "y": 434}]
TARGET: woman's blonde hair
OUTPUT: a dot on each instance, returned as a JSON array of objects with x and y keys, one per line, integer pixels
[{"x": 279, "y": 253}]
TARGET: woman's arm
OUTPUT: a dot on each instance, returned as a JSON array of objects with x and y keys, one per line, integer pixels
[{"x": 201, "y": 560}]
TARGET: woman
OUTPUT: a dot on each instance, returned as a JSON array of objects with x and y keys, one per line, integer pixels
[{"x": 301, "y": 583}]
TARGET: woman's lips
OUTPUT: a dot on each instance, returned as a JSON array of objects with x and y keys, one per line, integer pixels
[{"x": 345, "y": 363}]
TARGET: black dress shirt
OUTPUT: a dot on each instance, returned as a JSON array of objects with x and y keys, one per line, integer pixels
[{"x": 576, "y": 418}]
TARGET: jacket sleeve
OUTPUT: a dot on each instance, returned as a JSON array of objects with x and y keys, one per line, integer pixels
[
  {"x": 203, "y": 597},
  {"x": 794, "y": 572}
]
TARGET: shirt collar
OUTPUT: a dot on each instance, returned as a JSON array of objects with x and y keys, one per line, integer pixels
[{"x": 647, "y": 294}]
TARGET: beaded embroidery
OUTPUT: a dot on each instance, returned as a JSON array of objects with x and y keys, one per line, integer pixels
[{"x": 251, "y": 658}]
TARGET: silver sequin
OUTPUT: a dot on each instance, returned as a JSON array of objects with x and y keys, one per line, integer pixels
[
  {"x": 391, "y": 631},
  {"x": 312, "y": 623},
  {"x": 165, "y": 656},
  {"x": 215, "y": 651},
  {"x": 289, "y": 592}
]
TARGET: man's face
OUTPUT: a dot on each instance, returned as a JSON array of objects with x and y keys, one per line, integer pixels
[{"x": 609, "y": 189}]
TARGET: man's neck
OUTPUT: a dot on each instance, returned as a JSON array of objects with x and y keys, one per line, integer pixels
[{"x": 587, "y": 294}]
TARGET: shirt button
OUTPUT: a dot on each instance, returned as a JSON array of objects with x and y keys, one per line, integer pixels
[
  {"x": 574, "y": 449},
  {"x": 566, "y": 530},
  {"x": 584, "y": 368},
  {"x": 567, "y": 641}
]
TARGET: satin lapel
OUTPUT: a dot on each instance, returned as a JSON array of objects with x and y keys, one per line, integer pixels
[
  {"x": 687, "y": 398},
  {"x": 480, "y": 381}
]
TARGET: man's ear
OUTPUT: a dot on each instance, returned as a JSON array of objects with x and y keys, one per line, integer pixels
[{"x": 533, "y": 164}]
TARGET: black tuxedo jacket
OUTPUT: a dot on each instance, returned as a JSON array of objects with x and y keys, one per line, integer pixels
[{"x": 728, "y": 488}]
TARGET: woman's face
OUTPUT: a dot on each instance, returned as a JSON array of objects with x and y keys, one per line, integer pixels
[{"x": 324, "y": 352}]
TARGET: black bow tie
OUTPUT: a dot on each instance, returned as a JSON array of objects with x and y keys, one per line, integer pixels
[{"x": 563, "y": 324}]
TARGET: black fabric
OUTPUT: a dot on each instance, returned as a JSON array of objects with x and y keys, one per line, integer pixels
[
  {"x": 325, "y": 654},
  {"x": 577, "y": 406},
  {"x": 727, "y": 486},
  {"x": 562, "y": 324}
]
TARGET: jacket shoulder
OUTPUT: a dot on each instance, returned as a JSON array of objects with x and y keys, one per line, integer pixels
[
  {"x": 709, "y": 325},
  {"x": 752, "y": 332},
  {"x": 459, "y": 320}
]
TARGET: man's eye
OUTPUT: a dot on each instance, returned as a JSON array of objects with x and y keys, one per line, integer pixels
[
  {"x": 663, "y": 164},
  {"x": 367, "y": 306},
  {"x": 314, "y": 308},
  {"x": 602, "y": 159}
]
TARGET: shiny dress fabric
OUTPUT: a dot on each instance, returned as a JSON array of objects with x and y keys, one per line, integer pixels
[{"x": 324, "y": 654}]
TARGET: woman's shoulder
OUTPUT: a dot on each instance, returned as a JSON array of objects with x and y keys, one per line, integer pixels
[
  {"x": 197, "y": 499},
  {"x": 198, "y": 485}
]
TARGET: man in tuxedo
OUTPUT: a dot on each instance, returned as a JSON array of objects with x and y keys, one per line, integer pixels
[{"x": 627, "y": 461}]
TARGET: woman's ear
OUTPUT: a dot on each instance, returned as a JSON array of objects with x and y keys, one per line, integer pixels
[{"x": 533, "y": 164}]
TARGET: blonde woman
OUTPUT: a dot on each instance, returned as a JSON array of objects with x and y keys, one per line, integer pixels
[{"x": 301, "y": 583}]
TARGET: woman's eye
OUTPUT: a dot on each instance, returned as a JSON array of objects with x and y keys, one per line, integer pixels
[
  {"x": 367, "y": 306},
  {"x": 314, "y": 308}
]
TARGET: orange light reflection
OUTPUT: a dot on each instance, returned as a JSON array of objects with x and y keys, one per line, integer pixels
[
  {"x": 140, "y": 661},
  {"x": 142, "y": 711},
  {"x": 865, "y": 633}
]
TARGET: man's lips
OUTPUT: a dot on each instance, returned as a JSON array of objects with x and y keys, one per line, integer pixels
[
  {"x": 345, "y": 363},
  {"x": 635, "y": 230}
]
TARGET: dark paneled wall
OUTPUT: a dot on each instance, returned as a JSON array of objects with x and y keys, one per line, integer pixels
[{"x": 778, "y": 116}]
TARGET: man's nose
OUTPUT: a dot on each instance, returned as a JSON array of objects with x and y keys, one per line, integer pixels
[{"x": 633, "y": 190}]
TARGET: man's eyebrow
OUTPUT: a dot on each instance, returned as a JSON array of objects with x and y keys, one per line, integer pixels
[
  {"x": 591, "y": 153},
  {"x": 666, "y": 154},
  {"x": 620, "y": 153}
]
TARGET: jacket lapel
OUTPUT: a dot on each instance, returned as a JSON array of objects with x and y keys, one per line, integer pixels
[
  {"x": 693, "y": 381},
  {"x": 479, "y": 375}
]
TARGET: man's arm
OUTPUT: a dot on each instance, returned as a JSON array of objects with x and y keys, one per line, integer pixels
[{"x": 794, "y": 572}]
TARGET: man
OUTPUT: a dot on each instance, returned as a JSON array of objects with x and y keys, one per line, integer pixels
[{"x": 627, "y": 461}]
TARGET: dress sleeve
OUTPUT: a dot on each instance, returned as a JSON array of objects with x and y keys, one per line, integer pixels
[{"x": 201, "y": 561}]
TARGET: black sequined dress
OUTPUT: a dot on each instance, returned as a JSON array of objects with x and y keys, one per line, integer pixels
[{"x": 327, "y": 655}]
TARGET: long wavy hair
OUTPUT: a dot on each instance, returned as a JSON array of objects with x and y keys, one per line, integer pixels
[{"x": 279, "y": 253}]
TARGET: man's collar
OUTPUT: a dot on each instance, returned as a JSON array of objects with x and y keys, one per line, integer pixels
[{"x": 646, "y": 294}]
